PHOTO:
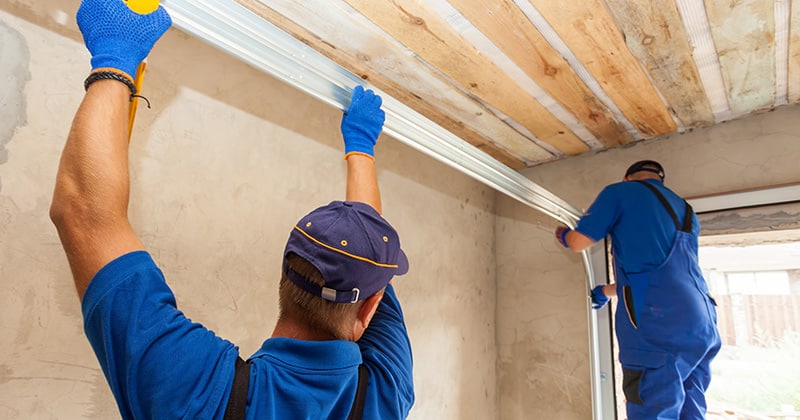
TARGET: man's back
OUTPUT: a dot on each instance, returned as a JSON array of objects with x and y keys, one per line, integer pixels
[
  {"x": 296, "y": 376},
  {"x": 641, "y": 229},
  {"x": 160, "y": 364}
]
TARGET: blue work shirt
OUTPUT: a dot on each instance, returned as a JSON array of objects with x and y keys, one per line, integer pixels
[
  {"x": 642, "y": 232},
  {"x": 159, "y": 364}
]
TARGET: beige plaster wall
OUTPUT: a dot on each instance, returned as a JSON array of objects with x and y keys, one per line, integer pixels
[
  {"x": 542, "y": 342},
  {"x": 223, "y": 165},
  {"x": 542, "y": 333}
]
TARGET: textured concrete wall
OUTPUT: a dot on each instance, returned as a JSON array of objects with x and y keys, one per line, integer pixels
[
  {"x": 542, "y": 334},
  {"x": 542, "y": 341},
  {"x": 223, "y": 165}
]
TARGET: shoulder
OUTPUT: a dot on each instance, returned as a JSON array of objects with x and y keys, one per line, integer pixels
[
  {"x": 660, "y": 189},
  {"x": 623, "y": 187},
  {"x": 635, "y": 189},
  {"x": 664, "y": 188},
  {"x": 620, "y": 196},
  {"x": 617, "y": 192}
]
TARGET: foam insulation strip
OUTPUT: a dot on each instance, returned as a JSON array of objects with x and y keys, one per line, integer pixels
[
  {"x": 552, "y": 37},
  {"x": 487, "y": 48},
  {"x": 695, "y": 22},
  {"x": 783, "y": 11}
]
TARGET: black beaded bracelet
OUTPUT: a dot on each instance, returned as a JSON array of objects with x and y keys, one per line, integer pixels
[{"x": 110, "y": 75}]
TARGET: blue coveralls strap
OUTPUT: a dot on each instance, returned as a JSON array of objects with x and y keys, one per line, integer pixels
[{"x": 666, "y": 328}]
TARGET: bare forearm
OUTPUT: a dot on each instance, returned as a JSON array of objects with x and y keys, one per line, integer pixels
[
  {"x": 91, "y": 195},
  {"x": 362, "y": 181},
  {"x": 93, "y": 174},
  {"x": 578, "y": 241},
  {"x": 610, "y": 290}
]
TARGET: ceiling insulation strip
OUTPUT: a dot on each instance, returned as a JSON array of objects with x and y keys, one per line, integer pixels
[
  {"x": 486, "y": 47},
  {"x": 783, "y": 11},
  {"x": 237, "y": 31},
  {"x": 583, "y": 73},
  {"x": 695, "y": 22}
]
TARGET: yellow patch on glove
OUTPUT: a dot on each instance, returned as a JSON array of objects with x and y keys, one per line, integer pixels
[{"x": 142, "y": 7}]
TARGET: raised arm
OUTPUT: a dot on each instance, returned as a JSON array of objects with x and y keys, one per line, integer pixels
[
  {"x": 361, "y": 125},
  {"x": 90, "y": 201}
]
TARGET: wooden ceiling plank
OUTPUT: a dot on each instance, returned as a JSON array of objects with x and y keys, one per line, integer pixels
[
  {"x": 655, "y": 36},
  {"x": 332, "y": 32},
  {"x": 591, "y": 33},
  {"x": 744, "y": 35},
  {"x": 433, "y": 40},
  {"x": 508, "y": 28},
  {"x": 504, "y": 156},
  {"x": 794, "y": 54}
]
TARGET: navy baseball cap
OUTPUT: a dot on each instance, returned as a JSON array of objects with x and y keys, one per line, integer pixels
[
  {"x": 646, "y": 165},
  {"x": 355, "y": 249}
]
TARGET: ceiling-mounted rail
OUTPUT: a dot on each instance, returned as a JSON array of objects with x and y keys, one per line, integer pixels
[
  {"x": 239, "y": 32},
  {"x": 235, "y": 30}
]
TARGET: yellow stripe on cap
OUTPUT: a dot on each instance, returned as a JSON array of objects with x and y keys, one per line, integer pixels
[{"x": 343, "y": 252}]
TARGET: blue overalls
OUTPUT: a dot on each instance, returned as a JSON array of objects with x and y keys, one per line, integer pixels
[{"x": 666, "y": 325}]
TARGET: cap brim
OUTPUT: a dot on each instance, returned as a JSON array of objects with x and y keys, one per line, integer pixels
[{"x": 402, "y": 264}]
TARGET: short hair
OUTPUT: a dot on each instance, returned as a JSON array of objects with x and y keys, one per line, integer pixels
[{"x": 335, "y": 319}]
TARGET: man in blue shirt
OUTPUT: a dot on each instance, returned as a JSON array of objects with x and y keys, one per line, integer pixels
[
  {"x": 666, "y": 324},
  {"x": 340, "y": 348}
]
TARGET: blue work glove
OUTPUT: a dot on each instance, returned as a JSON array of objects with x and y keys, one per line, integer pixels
[
  {"x": 117, "y": 37},
  {"x": 599, "y": 299},
  {"x": 362, "y": 122},
  {"x": 561, "y": 235}
]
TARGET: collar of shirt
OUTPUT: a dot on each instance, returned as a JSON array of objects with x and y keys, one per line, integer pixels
[{"x": 311, "y": 354}]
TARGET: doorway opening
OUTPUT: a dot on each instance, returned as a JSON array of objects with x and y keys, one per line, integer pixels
[{"x": 755, "y": 280}]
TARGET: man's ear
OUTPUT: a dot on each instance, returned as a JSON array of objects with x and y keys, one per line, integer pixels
[
  {"x": 367, "y": 310},
  {"x": 365, "y": 314}
]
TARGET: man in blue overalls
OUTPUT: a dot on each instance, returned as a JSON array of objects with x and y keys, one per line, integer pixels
[{"x": 666, "y": 324}]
